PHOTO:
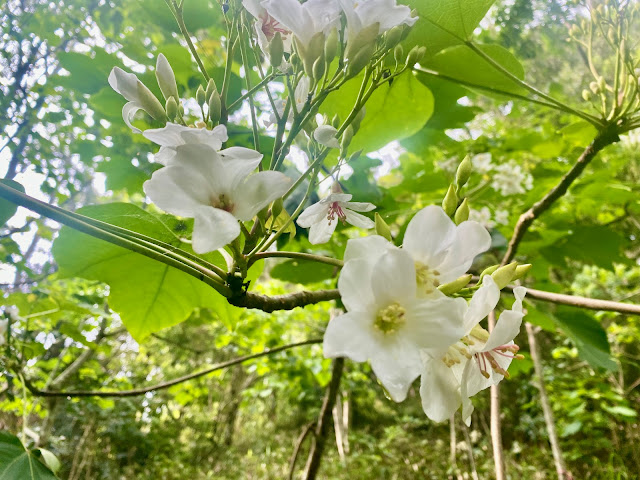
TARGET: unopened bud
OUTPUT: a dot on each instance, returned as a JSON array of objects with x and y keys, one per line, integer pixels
[
  {"x": 586, "y": 95},
  {"x": 398, "y": 54},
  {"x": 215, "y": 107},
  {"x": 313, "y": 51},
  {"x": 521, "y": 271},
  {"x": 276, "y": 50},
  {"x": 364, "y": 39},
  {"x": 360, "y": 60},
  {"x": 382, "y": 228},
  {"x": 347, "y": 136},
  {"x": 335, "y": 121},
  {"x": 450, "y": 202},
  {"x": 593, "y": 86},
  {"x": 464, "y": 172},
  {"x": 211, "y": 87},
  {"x": 201, "y": 96},
  {"x": 276, "y": 208},
  {"x": 171, "y": 108},
  {"x": 414, "y": 56},
  {"x": 393, "y": 37},
  {"x": 318, "y": 69},
  {"x": 455, "y": 286},
  {"x": 166, "y": 78},
  {"x": 503, "y": 275},
  {"x": 462, "y": 213},
  {"x": 488, "y": 271},
  {"x": 357, "y": 121},
  {"x": 602, "y": 84},
  {"x": 574, "y": 30},
  {"x": 331, "y": 46}
]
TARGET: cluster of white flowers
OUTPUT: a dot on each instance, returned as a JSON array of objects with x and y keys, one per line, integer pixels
[
  {"x": 510, "y": 179},
  {"x": 400, "y": 321},
  {"x": 485, "y": 218}
]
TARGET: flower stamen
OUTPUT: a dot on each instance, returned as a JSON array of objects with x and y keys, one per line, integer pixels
[{"x": 390, "y": 318}]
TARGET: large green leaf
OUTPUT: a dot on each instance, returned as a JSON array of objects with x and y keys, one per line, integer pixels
[
  {"x": 18, "y": 463},
  {"x": 7, "y": 208},
  {"x": 588, "y": 336},
  {"x": 444, "y": 23},
  {"x": 462, "y": 63},
  {"x": 148, "y": 295},
  {"x": 393, "y": 112}
]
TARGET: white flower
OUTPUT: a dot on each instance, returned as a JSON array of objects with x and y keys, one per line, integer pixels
[
  {"x": 501, "y": 217},
  {"x": 173, "y": 135},
  {"x": 386, "y": 324},
  {"x": 267, "y": 26},
  {"x": 511, "y": 179},
  {"x": 322, "y": 217},
  {"x": 215, "y": 188},
  {"x": 442, "y": 250},
  {"x": 477, "y": 361},
  {"x": 482, "y": 216},
  {"x": 300, "y": 96},
  {"x": 4, "y": 324},
  {"x": 138, "y": 95},
  {"x": 482, "y": 162},
  {"x": 448, "y": 164},
  {"x": 304, "y": 19},
  {"x": 327, "y": 135},
  {"x": 387, "y": 13}
]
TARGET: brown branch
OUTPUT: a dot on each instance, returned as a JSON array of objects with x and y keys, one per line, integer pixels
[
  {"x": 298, "y": 445},
  {"x": 282, "y": 302},
  {"x": 604, "y": 138},
  {"x": 169, "y": 383}
]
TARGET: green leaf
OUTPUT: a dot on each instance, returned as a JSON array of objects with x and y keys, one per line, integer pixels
[
  {"x": 462, "y": 63},
  {"x": 393, "y": 112},
  {"x": 7, "y": 208},
  {"x": 148, "y": 295},
  {"x": 588, "y": 336},
  {"x": 579, "y": 133},
  {"x": 295, "y": 271},
  {"x": 444, "y": 23},
  {"x": 620, "y": 411},
  {"x": 16, "y": 462}
]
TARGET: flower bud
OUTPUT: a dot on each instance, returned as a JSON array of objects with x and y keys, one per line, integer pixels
[
  {"x": 365, "y": 38},
  {"x": 602, "y": 84},
  {"x": 318, "y": 69},
  {"x": 455, "y": 286},
  {"x": 276, "y": 50},
  {"x": 313, "y": 51},
  {"x": 171, "y": 108},
  {"x": 594, "y": 87},
  {"x": 398, "y": 54},
  {"x": 215, "y": 107},
  {"x": 201, "y": 96},
  {"x": 331, "y": 46},
  {"x": 360, "y": 60},
  {"x": 464, "y": 172},
  {"x": 503, "y": 275},
  {"x": 347, "y": 136},
  {"x": 211, "y": 87},
  {"x": 166, "y": 78},
  {"x": 393, "y": 37},
  {"x": 415, "y": 55},
  {"x": 382, "y": 228},
  {"x": 488, "y": 271},
  {"x": 450, "y": 202},
  {"x": 358, "y": 119},
  {"x": 521, "y": 271},
  {"x": 462, "y": 213},
  {"x": 335, "y": 121},
  {"x": 586, "y": 95},
  {"x": 276, "y": 208}
]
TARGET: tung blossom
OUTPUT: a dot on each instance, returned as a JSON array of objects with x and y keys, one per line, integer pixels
[
  {"x": 216, "y": 188},
  {"x": 478, "y": 360},
  {"x": 482, "y": 162},
  {"x": 322, "y": 217},
  {"x": 442, "y": 251},
  {"x": 511, "y": 179},
  {"x": 267, "y": 26},
  {"x": 173, "y": 136},
  {"x": 385, "y": 322},
  {"x": 386, "y": 13}
]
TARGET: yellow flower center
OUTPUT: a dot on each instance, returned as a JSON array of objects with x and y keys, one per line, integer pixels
[
  {"x": 390, "y": 318},
  {"x": 426, "y": 278}
]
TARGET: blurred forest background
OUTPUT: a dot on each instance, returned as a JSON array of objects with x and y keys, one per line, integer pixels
[{"x": 62, "y": 136}]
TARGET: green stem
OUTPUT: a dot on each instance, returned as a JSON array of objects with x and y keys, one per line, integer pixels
[
  {"x": 253, "y": 90},
  {"x": 252, "y": 108},
  {"x": 177, "y": 13},
  {"x": 227, "y": 72},
  {"x": 297, "y": 255}
]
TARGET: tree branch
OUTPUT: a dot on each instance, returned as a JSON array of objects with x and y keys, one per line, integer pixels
[
  {"x": 282, "y": 302},
  {"x": 164, "y": 385},
  {"x": 604, "y": 138}
]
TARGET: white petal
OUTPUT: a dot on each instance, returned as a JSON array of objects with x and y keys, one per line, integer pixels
[
  {"x": 470, "y": 370},
  {"x": 258, "y": 191},
  {"x": 349, "y": 335},
  {"x": 429, "y": 233},
  {"x": 358, "y": 220},
  {"x": 253, "y": 7},
  {"x": 371, "y": 247},
  {"x": 177, "y": 190},
  {"x": 360, "y": 206},
  {"x": 213, "y": 229},
  {"x": 126, "y": 84},
  {"x": 338, "y": 197},
  {"x": 206, "y": 163},
  {"x": 439, "y": 391},
  {"x": 291, "y": 14},
  {"x": 302, "y": 91},
  {"x": 471, "y": 239},
  {"x": 320, "y": 232},
  {"x": 173, "y": 135},
  {"x": 397, "y": 364},
  {"x": 238, "y": 163},
  {"x": 506, "y": 329},
  {"x": 435, "y": 324},
  {"x": 482, "y": 303},
  {"x": 313, "y": 214},
  {"x": 166, "y": 78},
  {"x": 326, "y": 135},
  {"x": 128, "y": 112},
  {"x": 393, "y": 278},
  {"x": 354, "y": 285}
]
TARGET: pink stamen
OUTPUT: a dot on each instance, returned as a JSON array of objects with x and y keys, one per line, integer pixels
[
  {"x": 336, "y": 209},
  {"x": 270, "y": 26}
]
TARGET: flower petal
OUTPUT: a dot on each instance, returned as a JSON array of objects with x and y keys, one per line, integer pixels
[
  {"x": 350, "y": 335},
  {"x": 126, "y": 84},
  {"x": 371, "y": 248},
  {"x": 471, "y": 239},
  {"x": 393, "y": 278},
  {"x": 482, "y": 303},
  {"x": 177, "y": 190},
  {"x": 360, "y": 206},
  {"x": 213, "y": 229},
  {"x": 238, "y": 163},
  {"x": 355, "y": 286},
  {"x": 358, "y": 220},
  {"x": 320, "y": 232},
  {"x": 508, "y": 324},
  {"x": 397, "y": 363},
  {"x": 434, "y": 324},
  {"x": 128, "y": 112},
  {"x": 439, "y": 390},
  {"x": 326, "y": 135},
  {"x": 258, "y": 191},
  {"x": 429, "y": 233},
  {"x": 313, "y": 214},
  {"x": 173, "y": 135}
]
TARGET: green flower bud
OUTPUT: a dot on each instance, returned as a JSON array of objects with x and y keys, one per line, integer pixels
[
  {"x": 171, "y": 108},
  {"x": 464, "y": 172},
  {"x": 574, "y": 30},
  {"x": 364, "y": 39},
  {"x": 521, "y": 271},
  {"x": 358, "y": 119},
  {"x": 201, "y": 96},
  {"x": 586, "y": 95},
  {"x": 594, "y": 87},
  {"x": 331, "y": 45},
  {"x": 462, "y": 213},
  {"x": 347, "y": 136},
  {"x": 488, "y": 271},
  {"x": 360, "y": 60},
  {"x": 382, "y": 228},
  {"x": 215, "y": 107},
  {"x": 393, "y": 37},
  {"x": 504, "y": 275},
  {"x": 318, "y": 69},
  {"x": 450, "y": 202},
  {"x": 398, "y": 54},
  {"x": 276, "y": 208},
  {"x": 150, "y": 103},
  {"x": 166, "y": 78},
  {"x": 314, "y": 51},
  {"x": 276, "y": 50},
  {"x": 414, "y": 56},
  {"x": 211, "y": 87},
  {"x": 335, "y": 121},
  {"x": 602, "y": 84},
  {"x": 455, "y": 286}
]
